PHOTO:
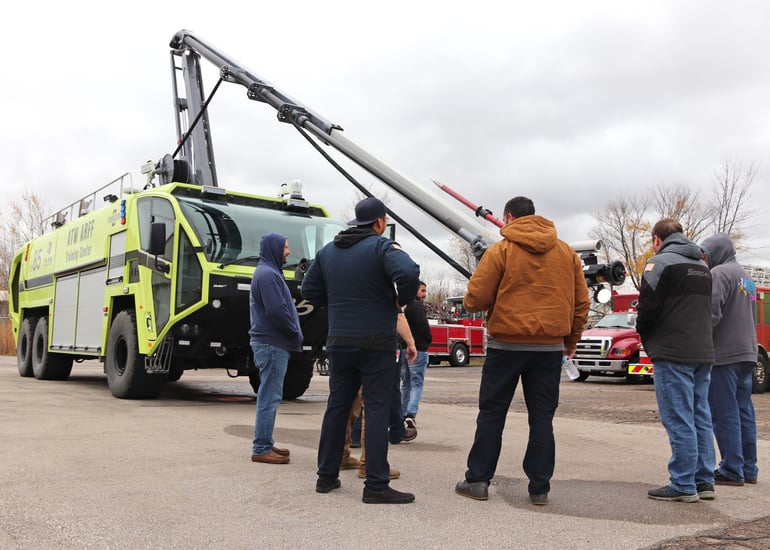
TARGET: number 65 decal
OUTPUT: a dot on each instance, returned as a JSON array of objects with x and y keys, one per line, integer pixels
[{"x": 304, "y": 308}]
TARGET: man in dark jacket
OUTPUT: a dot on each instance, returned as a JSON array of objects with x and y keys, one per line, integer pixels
[
  {"x": 363, "y": 279},
  {"x": 733, "y": 302},
  {"x": 674, "y": 321},
  {"x": 413, "y": 374},
  {"x": 273, "y": 335}
]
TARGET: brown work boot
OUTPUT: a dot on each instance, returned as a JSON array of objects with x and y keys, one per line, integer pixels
[
  {"x": 350, "y": 463},
  {"x": 282, "y": 452},
  {"x": 270, "y": 457},
  {"x": 394, "y": 474}
]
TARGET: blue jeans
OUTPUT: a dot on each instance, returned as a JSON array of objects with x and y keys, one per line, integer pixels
[
  {"x": 732, "y": 414},
  {"x": 682, "y": 395},
  {"x": 412, "y": 378},
  {"x": 272, "y": 363},
  {"x": 540, "y": 372},
  {"x": 374, "y": 372}
]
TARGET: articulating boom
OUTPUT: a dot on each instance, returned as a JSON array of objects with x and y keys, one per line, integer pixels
[{"x": 197, "y": 162}]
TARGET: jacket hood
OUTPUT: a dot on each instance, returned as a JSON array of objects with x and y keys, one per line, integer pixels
[
  {"x": 533, "y": 233},
  {"x": 719, "y": 248},
  {"x": 679, "y": 244},
  {"x": 352, "y": 235},
  {"x": 271, "y": 249}
]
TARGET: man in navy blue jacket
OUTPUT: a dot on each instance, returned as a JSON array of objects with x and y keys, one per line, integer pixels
[
  {"x": 273, "y": 335},
  {"x": 363, "y": 279}
]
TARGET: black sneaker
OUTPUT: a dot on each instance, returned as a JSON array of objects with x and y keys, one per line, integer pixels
[
  {"x": 706, "y": 491},
  {"x": 324, "y": 485},
  {"x": 539, "y": 500},
  {"x": 669, "y": 493},
  {"x": 477, "y": 490},
  {"x": 388, "y": 495},
  {"x": 721, "y": 479}
]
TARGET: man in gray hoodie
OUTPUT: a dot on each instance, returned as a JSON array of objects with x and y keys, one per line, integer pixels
[{"x": 733, "y": 302}]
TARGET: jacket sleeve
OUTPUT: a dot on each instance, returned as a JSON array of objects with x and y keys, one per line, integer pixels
[
  {"x": 482, "y": 288},
  {"x": 402, "y": 270},
  {"x": 582, "y": 305},
  {"x": 648, "y": 309},
  {"x": 720, "y": 285},
  {"x": 279, "y": 306}
]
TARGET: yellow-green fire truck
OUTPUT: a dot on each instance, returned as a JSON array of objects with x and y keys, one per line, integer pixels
[{"x": 157, "y": 282}]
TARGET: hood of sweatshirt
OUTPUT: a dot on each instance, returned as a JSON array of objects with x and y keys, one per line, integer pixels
[
  {"x": 534, "y": 233},
  {"x": 719, "y": 248},
  {"x": 271, "y": 250}
]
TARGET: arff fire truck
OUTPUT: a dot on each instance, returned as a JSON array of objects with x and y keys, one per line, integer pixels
[{"x": 157, "y": 280}]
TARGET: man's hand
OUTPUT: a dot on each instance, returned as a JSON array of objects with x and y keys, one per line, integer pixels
[{"x": 411, "y": 353}]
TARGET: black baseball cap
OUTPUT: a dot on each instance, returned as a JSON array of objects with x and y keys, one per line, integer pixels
[{"x": 368, "y": 211}]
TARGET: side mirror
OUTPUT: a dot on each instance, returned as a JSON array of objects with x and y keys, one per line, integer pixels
[
  {"x": 158, "y": 245},
  {"x": 157, "y": 239}
]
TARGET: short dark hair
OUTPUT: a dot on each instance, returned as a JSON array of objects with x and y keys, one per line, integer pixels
[
  {"x": 519, "y": 206},
  {"x": 421, "y": 283},
  {"x": 666, "y": 227}
]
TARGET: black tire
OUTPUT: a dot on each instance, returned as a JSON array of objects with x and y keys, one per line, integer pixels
[
  {"x": 124, "y": 366},
  {"x": 24, "y": 347},
  {"x": 47, "y": 365},
  {"x": 254, "y": 380},
  {"x": 582, "y": 376},
  {"x": 297, "y": 379},
  {"x": 459, "y": 357},
  {"x": 759, "y": 380}
]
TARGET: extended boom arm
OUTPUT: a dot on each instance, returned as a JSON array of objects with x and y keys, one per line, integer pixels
[{"x": 187, "y": 46}]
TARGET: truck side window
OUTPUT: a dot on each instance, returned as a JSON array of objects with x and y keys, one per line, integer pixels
[{"x": 156, "y": 210}]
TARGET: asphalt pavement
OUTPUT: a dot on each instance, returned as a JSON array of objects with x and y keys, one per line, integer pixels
[{"x": 82, "y": 469}]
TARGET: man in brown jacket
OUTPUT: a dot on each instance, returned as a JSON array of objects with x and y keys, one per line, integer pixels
[{"x": 532, "y": 287}]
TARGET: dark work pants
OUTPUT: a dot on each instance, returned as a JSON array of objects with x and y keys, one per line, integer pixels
[
  {"x": 540, "y": 372},
  {"x": 349, "y": 369}
]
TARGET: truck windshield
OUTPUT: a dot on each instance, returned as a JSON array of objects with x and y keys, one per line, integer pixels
[
  {"x": 617, "y": 320},
  {"x": 230, "y": 233}
]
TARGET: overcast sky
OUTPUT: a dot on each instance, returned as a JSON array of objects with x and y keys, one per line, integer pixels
[{"x": 570, "y": 103}]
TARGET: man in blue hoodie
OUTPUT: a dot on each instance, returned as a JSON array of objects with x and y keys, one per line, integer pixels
[
  {"x": 274, "y": 334},
  {"x": 363, "y": 279},
  {"x": 733, "y": 302},
  {"x": 674, "y": 321}
]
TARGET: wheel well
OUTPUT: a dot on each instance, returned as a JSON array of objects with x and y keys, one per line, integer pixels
[
  {"x": 120, "y": 303},
  {"x": 762, "y": 351},
  {"x": 35, "y": 312}
]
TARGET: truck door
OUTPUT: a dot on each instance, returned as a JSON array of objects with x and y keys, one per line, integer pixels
[{"x": 158, "y": 210}]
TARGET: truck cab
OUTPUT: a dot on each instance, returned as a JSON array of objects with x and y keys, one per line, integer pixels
[{"x": 608, "y": 347}]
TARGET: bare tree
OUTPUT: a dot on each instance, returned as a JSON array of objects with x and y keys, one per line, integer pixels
[
  {"x": 23, "y": 222},
  {"x": 732, "y": 193},
  {"x": 681, "y": 203},
  {"x": 625, "y": 224}
]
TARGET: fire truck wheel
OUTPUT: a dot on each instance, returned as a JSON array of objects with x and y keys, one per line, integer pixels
[
  {"x": 759, "y": 382},
  {"x": 47, "y": 365},
  {"x": 458, "y": 357},
  {"x": 297, "y": 378},
  {"x": 24, "y": 348},
  {"x": 296, "y": 381},
  {"x": 123, "y": 364}
]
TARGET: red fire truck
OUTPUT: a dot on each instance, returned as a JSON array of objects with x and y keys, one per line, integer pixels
[{"x": 457, "y": 335}]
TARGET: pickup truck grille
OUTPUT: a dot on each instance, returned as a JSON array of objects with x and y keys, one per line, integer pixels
[{"x": 593, "y": 348}]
